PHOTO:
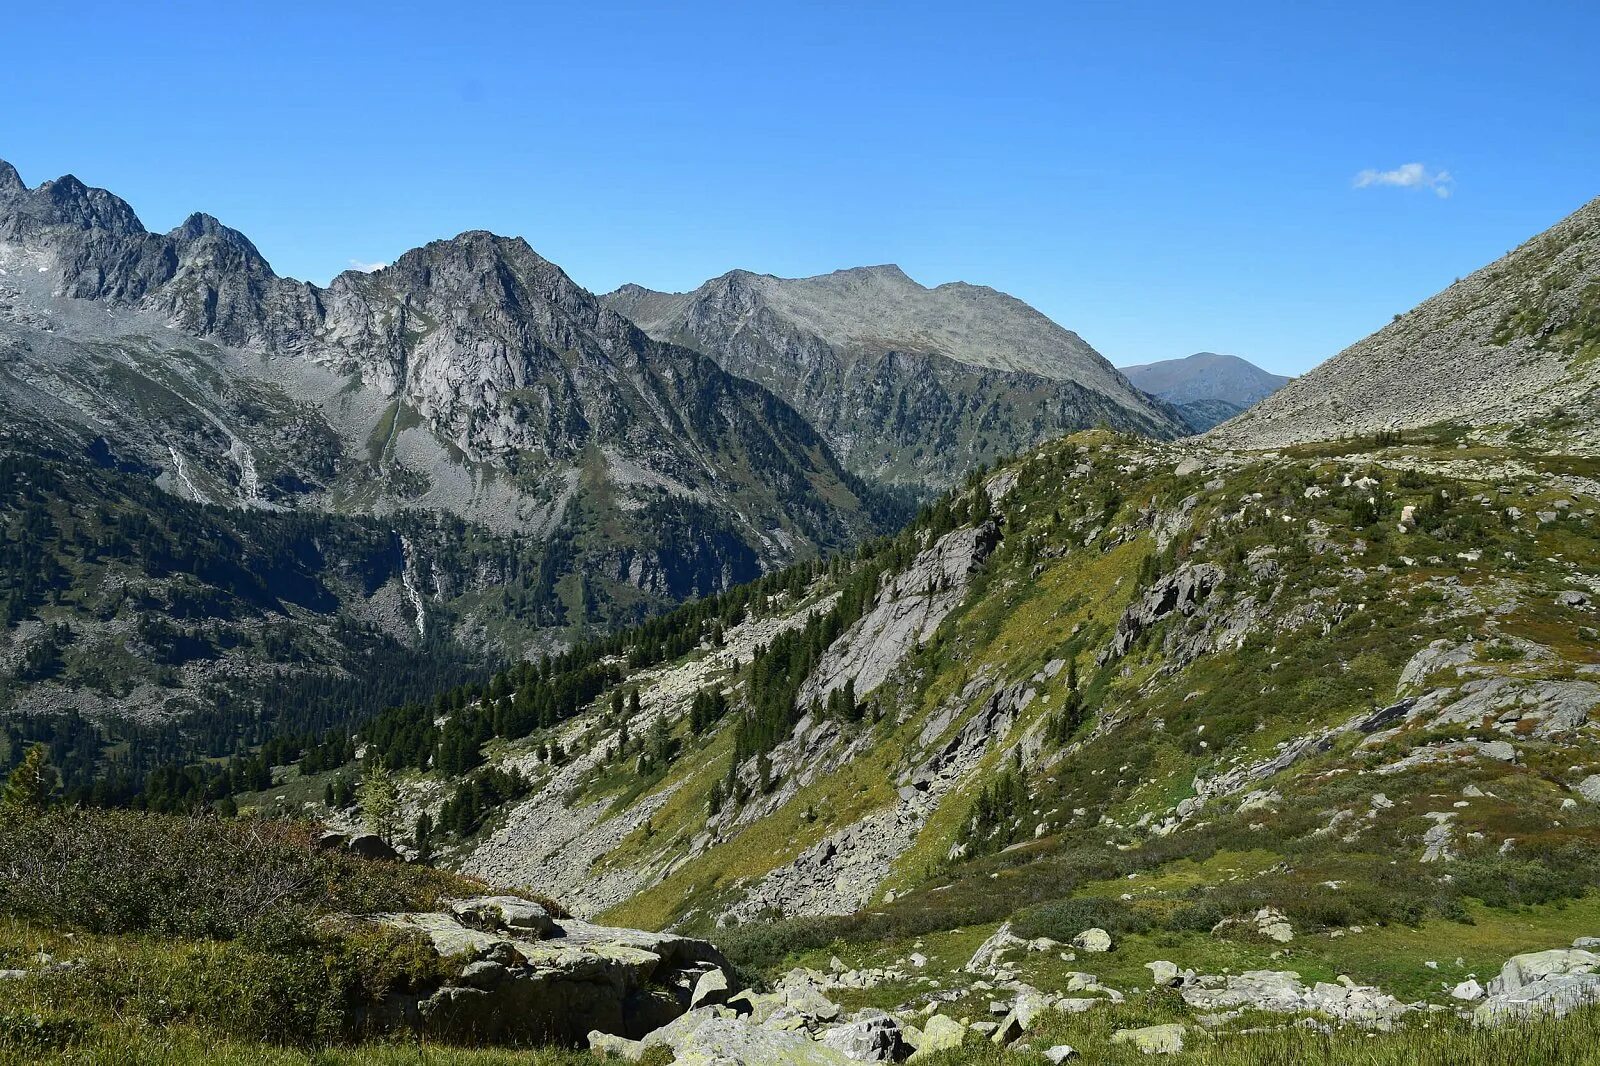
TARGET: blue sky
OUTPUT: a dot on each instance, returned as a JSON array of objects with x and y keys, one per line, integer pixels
[{"x": 1161, "y": 177}]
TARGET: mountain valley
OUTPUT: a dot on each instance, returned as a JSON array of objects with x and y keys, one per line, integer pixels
[{"x": 574, "y": 671}]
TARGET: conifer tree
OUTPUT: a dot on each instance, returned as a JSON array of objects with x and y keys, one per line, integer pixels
[
  {"x": 379, "y": 799},
  {"x": 31, "y": 783}
]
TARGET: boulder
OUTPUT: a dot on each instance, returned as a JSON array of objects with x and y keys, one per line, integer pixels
[
  {"x": 1094, "y": 941},
  {"x": 1008, "y": 1031},
  {"x": 607, "y": 1046},
  {"x": 709, "y": 1037},
  {"x": 989, "y": 952},
  {"x": 1268, "y": 922},
  {"x": 1061, "y": 1053},
  {"x": 372, "y": 846},
  {"x": 504, "y": 914},
  {"x": 872, "y": 1039},
  {"x": 803, "y": 999},
  {"x": 1467, "y": 990},
  {"x": 939, "y": 1033},
  {"x": 710, "y": 989},
  {"x": 1152, "y": 1039},
  {"x": 510, "y": 986},
  {"x": 1281, "y": 991},
  {"x": 1163, "y": 974},
  {"x": 1520, "y": 970}
]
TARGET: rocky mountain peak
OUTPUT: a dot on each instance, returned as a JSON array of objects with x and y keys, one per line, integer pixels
[
  {"x": 68, "y": 201},
  {"x": 902, "y": 380},
  {"x": 10, "y": 181}
]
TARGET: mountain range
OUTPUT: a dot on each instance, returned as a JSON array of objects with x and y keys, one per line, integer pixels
[
  {"x": 464, "y": 454},
  {"x": 1206, "y": 388},
  {"x": 1121, "y": 744},
  {"x": 909, "y": 385}
]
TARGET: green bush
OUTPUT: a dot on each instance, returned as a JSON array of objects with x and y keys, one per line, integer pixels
[
  {"x": 1066, "y": 918},
  {"x": 127, "y": 872}
]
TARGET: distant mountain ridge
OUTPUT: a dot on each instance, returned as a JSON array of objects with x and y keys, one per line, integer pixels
[
  {"x": 1207, "y": 388},
  {"x": 577, "y": 473},
  {"x": 1516, "y": 343},
  {"x": 909, "y": 384}
]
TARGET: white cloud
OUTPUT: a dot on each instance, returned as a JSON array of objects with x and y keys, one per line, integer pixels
[
  {"x": 1408, "y": 176},
  {"x": 366, "y": 268}
]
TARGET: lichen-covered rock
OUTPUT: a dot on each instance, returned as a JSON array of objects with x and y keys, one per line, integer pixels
[
  {"x": 1152, "y": 1039},
  {"x": 707, "y": 1037},
  {"x": 510, "y": 986},
  {"x": 939, "y": 1033},
  {"x": 870, "y": 1039}
]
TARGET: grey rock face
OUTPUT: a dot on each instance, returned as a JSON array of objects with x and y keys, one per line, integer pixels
[
  {"x": 908, "y": 384},
  {"x": 1181, "y": 591},
  {"x": 908, "y": 610},
  {"x": 1495, "y": 347},
  {"x": 874, "y": 1039},
  {"x": 516, "y": 983},
  {"x": 1541, "y": 982}
]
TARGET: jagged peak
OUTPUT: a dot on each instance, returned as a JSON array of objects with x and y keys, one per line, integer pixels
[
  {"x": 73, "y": 202},
  {"x": 11, "y": 183},
  {"x": 200, "y": 225}
]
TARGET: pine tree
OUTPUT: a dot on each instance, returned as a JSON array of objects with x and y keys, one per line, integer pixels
[
  {"x": 31, "y": 783},
  {"x": 424, "y": 837}
]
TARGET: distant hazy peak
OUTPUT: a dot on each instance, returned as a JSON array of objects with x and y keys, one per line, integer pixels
[{"x": 1206, "y": 376}]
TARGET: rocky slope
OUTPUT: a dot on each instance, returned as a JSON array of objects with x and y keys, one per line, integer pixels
[
  {"x": 1512, "y": 344},
  {"x": 573, "y": 474},
  {"x": 1206, "y": 388},
  {"x": 909, "y": 385},
  {"x": 1246, "y": 722}
]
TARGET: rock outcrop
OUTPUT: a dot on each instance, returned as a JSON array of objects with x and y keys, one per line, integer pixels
[{"x": 523, "y": 976}]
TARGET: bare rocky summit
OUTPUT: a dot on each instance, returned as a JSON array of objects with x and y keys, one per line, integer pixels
[
  {"x": 909, "y": 384},
  {"x": 1513, "y": 343}
]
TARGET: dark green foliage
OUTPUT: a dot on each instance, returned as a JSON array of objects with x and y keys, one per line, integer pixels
[
  {"x": 477, "y": 796},
  {"x": 123, "y": 872}
]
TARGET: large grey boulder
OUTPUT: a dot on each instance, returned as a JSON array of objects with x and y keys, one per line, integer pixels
[
  {"x": 1094, "y": 941},
  {"x": 939, "y": 1033},
  {"x": 871, "y": 1039},
  {"x": 510, "y": 985},
  {"x": 1541, "y": 982},
  {"x": 711, "y": 1036}
]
